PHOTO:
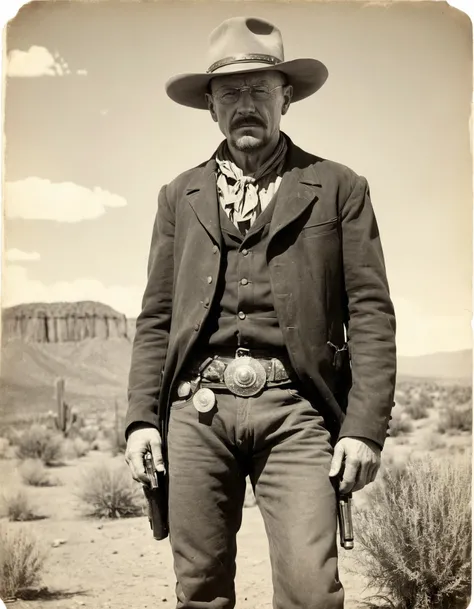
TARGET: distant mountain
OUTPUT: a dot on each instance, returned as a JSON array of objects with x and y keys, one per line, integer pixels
[
  {"x": 446, "y": 365},
  {"x": 60, "y": 322}
]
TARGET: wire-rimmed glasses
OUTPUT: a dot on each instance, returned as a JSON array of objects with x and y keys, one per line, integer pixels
[{"x": 230, "y": 95}]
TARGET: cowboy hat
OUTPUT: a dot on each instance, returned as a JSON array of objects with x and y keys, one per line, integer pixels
[{"x": 246, "y": 44}]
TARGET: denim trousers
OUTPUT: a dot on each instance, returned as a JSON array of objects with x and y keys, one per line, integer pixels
[{"x": 279, "y": 440}]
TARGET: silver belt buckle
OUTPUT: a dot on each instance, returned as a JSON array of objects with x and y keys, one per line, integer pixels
[{"x": 244, "y": 376}]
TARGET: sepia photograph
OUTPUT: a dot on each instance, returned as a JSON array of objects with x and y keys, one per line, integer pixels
[{"x": 236, "y": 344}]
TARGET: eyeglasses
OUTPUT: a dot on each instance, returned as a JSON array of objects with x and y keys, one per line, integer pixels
[{"x": 232, "y": 95}]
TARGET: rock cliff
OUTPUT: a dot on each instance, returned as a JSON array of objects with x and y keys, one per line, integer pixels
[{"x": 63, "y": 322}]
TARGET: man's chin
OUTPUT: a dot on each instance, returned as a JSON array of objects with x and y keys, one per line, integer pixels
[{"x": 246, "y": 143}]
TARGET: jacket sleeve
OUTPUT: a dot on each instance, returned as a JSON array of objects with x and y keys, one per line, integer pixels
[
  {"x": 371, "y": 320},
  {"x": 153, "y": 323}
]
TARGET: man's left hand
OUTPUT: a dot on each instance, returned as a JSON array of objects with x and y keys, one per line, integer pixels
[{"x": 361, "y": 460}]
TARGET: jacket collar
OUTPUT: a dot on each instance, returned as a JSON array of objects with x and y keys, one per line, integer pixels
[{"x": 299, "y": 187}]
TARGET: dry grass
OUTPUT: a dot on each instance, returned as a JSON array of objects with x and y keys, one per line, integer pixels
[
  {"x": 39, "y": 442},
  {"x": 18, "y": 507},
  {"x": 416, "y": 535},
  {"x": 21, "y": 561},
  {"x": 34, "y": 473},
  {"x": 110, "y": 492}
]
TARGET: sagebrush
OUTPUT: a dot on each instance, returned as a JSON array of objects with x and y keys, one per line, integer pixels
[
  {"x": 110, "y": 492},
  {"x": 455, "y": 418},
  {"x": 33, "y": 473},
  {"x": 18, "y": 507},
  {"x": 21, "y": 561},
  {"x": 40, "y": 442},
  {"x": 416, "y": 534}
]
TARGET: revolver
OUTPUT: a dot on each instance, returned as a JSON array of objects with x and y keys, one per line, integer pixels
[
  {"x": 346, "y": 533},
  {"x": 157, "y": 497}
]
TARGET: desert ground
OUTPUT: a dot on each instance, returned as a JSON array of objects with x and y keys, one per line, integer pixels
[{"x": 116, "y": 563}]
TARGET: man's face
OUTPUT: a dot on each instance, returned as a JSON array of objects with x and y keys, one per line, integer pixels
[{"x": 249, "y": 124}]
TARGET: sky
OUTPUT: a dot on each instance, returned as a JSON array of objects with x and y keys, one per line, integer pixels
[{"x": 90, "y": 137}]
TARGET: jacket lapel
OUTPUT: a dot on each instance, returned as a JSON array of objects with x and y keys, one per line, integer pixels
[
  {"x": 202, "y": 197},
  {"x": 299, "y": 188}
]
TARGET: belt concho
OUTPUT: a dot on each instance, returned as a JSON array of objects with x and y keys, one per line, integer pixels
[{"x": 245, "y": 376}]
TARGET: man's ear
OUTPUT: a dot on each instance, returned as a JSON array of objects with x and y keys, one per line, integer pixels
[
  {"x": 287, "y": 96},
  {"x": 210, "y": 106}
]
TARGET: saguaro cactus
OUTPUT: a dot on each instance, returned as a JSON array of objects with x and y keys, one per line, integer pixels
[{"x": 66, "y": 417}]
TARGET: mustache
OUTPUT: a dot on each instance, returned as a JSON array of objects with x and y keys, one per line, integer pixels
[{"x": 248, "y": 121}]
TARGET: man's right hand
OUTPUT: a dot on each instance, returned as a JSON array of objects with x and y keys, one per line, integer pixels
[{"x": 143, "y": 438}]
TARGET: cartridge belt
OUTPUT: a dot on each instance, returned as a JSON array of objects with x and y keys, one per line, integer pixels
[{"x": 243, "y": 374}]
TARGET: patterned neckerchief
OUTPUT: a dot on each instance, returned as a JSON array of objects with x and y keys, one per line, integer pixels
[{"x": 244, "y": 197}]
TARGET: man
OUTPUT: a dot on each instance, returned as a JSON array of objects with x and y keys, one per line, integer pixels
[{"x": 263, "y": 260}]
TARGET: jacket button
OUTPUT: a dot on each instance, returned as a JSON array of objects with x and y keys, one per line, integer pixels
[
  {"x": 215, "y": 249},
  {"x": 206, "y": 302},
  {"x": 197, "y": 325},
  {"x": 209, "y": 279},
  {"x": 242, "y": 315},
  {"x": 244, "y": 281},
  {"x": 244, "y": 252}
]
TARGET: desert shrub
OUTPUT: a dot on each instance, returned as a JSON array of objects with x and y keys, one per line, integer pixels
[
  {"x": 18, "y": 507},
  {"x": 89, "y": 433},
  {"x": 399, "y": 424},
  {"x": 21, "y": 561},
  {"x": 40, "y": 442},
  {"x": 4, "y": 448},
  {"x": 75, "y": 448},
  {"x": 458, "y": 394},
  {"x": 110, "y": 492},
  {"x": 455, "y": 418},
  {"x": 33, "y": 473},
  {"x": 415, "y": 535},
  {"x": 418, "y": 407}
]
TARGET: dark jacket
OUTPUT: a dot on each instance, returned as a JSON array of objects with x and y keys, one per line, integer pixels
[{"x": 328, "y": 281}]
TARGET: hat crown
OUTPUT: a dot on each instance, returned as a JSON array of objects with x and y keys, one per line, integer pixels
[{"x": 244, "y": 36}]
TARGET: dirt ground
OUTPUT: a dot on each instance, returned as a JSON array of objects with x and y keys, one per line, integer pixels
[{"x": 116, "y": 564}]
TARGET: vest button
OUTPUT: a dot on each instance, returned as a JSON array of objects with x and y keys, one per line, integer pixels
[
  {"x": 242, "y": 315},
  {"x": 215, "y": 249},
  {"x": 244, "y": 252},
  {"x": 197, "y": 325},
  {"x": 244, "y": 281},
  {"x": 209, "y": 279}
]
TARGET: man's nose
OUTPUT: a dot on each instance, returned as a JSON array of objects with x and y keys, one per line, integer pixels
[{"x": 246, "y": 102}]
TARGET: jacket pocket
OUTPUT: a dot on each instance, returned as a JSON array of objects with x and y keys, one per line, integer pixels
[{"x": 314, "y": 230}]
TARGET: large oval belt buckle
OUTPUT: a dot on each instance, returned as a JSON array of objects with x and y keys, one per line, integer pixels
[{"x": 245, "y": 376}]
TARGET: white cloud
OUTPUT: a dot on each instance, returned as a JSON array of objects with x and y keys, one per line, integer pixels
[
  {"x": 39, "y": 199},
  {"x": 19, "y": 288},
  {"x": 16, "y": 255},
  {"x": 418, "y": 332},
  {"x": 36, "y": 61}
]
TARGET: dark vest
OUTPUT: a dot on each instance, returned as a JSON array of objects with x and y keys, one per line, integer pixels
[{"x": 243, "y": 313}]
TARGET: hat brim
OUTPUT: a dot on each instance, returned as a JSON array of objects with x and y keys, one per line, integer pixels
[{"x": 305, "y": 75}]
